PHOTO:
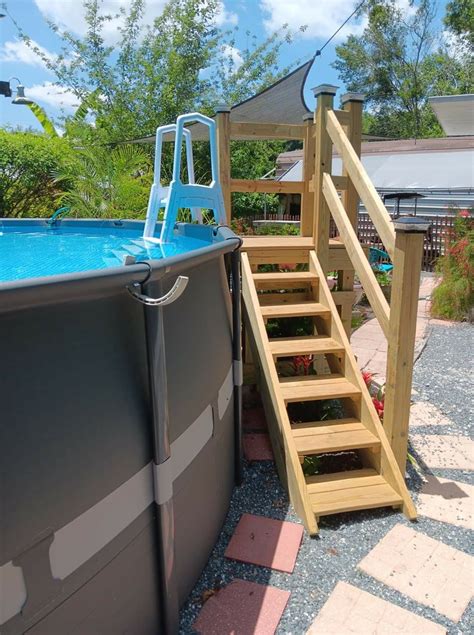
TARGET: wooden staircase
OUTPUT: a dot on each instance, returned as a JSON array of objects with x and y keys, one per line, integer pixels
[{"x": 274, "y": 295}]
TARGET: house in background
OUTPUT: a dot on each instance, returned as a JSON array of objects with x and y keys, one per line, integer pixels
[{"x": 440, "y": 169}]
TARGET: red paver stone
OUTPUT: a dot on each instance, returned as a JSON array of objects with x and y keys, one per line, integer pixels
[
  {"x": 253, "y": 419},
  {"x": 257, "y": 447},
  {"x": 242, "y": 608},
  {"x": 266, "y": 542}
]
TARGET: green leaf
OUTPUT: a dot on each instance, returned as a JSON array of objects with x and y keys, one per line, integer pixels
[{"x": 43, "y": 119}]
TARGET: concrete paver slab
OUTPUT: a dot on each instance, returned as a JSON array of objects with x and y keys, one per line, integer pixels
[
  {"x": 445, "y": 451},
  {"x": 242, "y": 608},
  {"x": 423, "y": 413},
  {"x": 448, "y": 501},
  {"x": 350, "y": 610},
  {"x": 266, "y": 542},
  {"x": 257, "y": 447},
  {"x": 424, "y": 569}
]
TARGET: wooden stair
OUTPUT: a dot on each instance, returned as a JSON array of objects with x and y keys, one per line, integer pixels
[{"x": 295, "y": 294}]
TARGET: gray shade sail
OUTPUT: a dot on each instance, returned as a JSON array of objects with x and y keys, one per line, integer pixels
[{"x": 281, "y": 103}]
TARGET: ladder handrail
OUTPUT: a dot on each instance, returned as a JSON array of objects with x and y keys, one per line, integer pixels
[
  {"x": 157, "y": 189},
  {"x": 181, "y": 130},
  {"x": 160, "y": 132}
]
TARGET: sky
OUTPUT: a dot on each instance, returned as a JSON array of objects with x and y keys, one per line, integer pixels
[{"x": 261, "y": 17}]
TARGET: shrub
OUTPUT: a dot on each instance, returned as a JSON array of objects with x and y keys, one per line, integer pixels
[
  {"x": 453, "y": 298},
  {"x": 27, "y": 164}
]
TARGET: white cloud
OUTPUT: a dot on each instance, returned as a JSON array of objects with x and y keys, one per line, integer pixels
[
  {"x": 225, "y": 17},
  {"x": 18, "y": 51},
  {"x": 233, "y": 53},
  {"x": 53, "y": 95},
  {"x": 322, "y": 18},
  {"x": 69, "y": 15}
]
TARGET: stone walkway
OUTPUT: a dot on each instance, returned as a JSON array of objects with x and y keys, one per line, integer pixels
[
  {"x": 368, "y": 573},
  {"x": 369, "y": 344}
]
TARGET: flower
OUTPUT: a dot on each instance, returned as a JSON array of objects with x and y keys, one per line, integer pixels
[
  {"x": 464, "y": 213},
  {"x": 302, "y": 362},
  {"x": 379, "y": 406},
  {"x": 367, "y": 378}
]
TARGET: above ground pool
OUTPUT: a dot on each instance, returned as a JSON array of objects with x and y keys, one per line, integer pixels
[
  {"x": 119, "y": 428},
  {"x": 36, "y": 249}
]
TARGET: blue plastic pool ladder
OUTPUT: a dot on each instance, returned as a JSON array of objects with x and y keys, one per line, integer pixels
[{"x": 178, "y": 194}]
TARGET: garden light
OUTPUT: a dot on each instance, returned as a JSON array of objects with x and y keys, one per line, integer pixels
[{"x": 20, "y": 99}]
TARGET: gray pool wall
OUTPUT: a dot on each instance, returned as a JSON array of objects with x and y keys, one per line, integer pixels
[{"x": 80, "y": 546}]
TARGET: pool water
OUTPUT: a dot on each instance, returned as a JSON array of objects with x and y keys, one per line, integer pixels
[{"x": 31, "y": 253}]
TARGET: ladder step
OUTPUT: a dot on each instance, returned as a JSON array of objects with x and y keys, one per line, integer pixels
[
  {"x": 332, "y": 436},
  {"x": 301, "y": 309},
  {"x": 290, "y": 346},
  {"x": 349, "y": 491},
  {"x": 314, "y": 388},
  {"x": 290, "y": 280}
]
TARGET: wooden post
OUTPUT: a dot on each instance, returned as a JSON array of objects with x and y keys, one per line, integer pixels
[
  {"x": 352, "y": 103},
  {"x": 325, "y": 100},
  {"x": 409, "y": 235},
  {"x": 223, "y": 149},
  {"x": 307, "y": 198}
]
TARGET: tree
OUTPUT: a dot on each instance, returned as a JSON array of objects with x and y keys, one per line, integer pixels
[
  {"x": 459, "y": 19},
  {"x": 398, "y": 62},
  {"x": 27, "y": 164},
  {"x": 107, "y": 183},
  {"x": 181, "y": 62}
]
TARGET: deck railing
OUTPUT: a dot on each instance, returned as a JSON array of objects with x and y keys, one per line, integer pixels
[{"x": 403, "y": 240}]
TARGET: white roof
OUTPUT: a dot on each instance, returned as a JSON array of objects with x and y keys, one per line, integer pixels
[
  {"x": 455, "y": 113},
  {"x": 410, "y": 170}
]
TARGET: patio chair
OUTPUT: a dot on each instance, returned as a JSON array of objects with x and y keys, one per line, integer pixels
[{"x": 379, "y": 260}]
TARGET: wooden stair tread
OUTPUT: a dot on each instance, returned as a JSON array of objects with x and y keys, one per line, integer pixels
[
  {"x": 290, "y": 346},
  {"x": 349, "y": 491},
  {"x": 314, "y": 388},
  {"x": 284, "y": 280},
  {"x": 333, "y": 436},
  {"x": 299, "y": 309}
]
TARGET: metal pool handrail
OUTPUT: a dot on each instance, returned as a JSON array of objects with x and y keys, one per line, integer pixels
[{"x": 62, "y": 211}]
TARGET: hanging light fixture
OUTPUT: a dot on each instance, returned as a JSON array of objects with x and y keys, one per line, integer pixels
[{"x": 20, "y": 99}]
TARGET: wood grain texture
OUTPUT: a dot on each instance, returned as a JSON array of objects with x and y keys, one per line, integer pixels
[
  {"x": 249, "y": 131},
  {"x": 267, "y": 186},
  {"x": 294, "y": 474},
  {"x": 361, "y": 181},
  {"x": 356, "y": 254},
  {"x": 401, "y": 341},
  {"x": 386, "y": 462}
]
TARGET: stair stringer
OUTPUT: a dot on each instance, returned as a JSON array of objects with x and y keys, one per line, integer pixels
[
  {"x": 284, "y": 447},
  {"x": 388, "y": 466}
]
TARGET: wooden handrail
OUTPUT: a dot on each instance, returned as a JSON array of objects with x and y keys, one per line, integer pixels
[
  {"x": 249, "y": 130},
  {"x": 356, "y": 254},
  {"x": 266, "y": 186},
  {"x": 359, "y": 177}
]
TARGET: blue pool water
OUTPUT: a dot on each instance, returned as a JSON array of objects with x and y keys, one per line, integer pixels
[{"x": 33, "y": 253}]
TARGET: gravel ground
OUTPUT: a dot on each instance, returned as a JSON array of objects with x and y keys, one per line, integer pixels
[{"x": 441, "y": 377}]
